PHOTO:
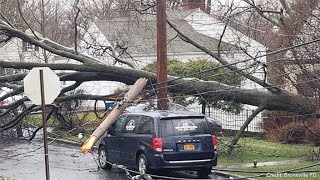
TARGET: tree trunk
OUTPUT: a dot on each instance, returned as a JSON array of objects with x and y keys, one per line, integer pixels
[{"x": 243, "y": 127}]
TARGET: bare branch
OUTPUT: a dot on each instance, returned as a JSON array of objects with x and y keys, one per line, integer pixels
[
  {"x": 9, "y": 85},
  {"x": 71, "y": 87},
  {"x": 16, "y": 91},
  {"x": 261, "y": 12},
  {"x": 221, "y": 36},
  {"x": 48, "y": 45},
  {"x": 6, "y": 20},
  {"x": 286, "y": 7},
  {"x": 75, "y": 27},
  {"x": 25, "y": 21},
  {"x": 117, "y": 58},
  {"x": 85, "y": 97},
  {"x": 18, "y": 118},
  {"x": 223, "y": 61}
]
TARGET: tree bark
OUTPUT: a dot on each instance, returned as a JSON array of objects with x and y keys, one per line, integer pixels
[{"x": 243, "y": 127}]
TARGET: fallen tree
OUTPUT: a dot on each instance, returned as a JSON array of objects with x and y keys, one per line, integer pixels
[{"x": 88, "y": 68}]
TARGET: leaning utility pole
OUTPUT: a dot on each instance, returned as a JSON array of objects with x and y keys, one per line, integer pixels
[
  {"x": 161, "y": 56},
  {"x": 133, "y": 92}
]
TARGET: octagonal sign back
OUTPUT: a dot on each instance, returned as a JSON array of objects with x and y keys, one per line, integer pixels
[{"x": 51, "y": 84}]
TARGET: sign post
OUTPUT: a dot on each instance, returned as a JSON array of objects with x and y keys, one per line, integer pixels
[
  {"x": 40, "y": 95},
  {"x": 44, "y": 127}
]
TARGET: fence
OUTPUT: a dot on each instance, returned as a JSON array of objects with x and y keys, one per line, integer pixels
[
  {"x": 232, "y": 121},
  {"x": 228, "y": 120}
]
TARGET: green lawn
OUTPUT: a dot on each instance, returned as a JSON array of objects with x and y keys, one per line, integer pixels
[
  {"x": 251, "y": 149},
  {"x": 302, "y": 170}
]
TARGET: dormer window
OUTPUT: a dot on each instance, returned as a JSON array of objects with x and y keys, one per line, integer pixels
[{"x": 29, "y": 47}]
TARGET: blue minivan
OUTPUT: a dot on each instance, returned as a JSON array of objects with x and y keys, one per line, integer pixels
[{"x": 160, "y": 140}]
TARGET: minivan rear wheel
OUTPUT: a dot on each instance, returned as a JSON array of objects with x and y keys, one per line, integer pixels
[
  {"x": 143, "y": 164},
  {"x": 204, "y": 172},
  {"x": 103, "y": 159}
]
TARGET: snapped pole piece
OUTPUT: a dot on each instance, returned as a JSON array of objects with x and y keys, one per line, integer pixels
[{"x": 114, "y": 114}]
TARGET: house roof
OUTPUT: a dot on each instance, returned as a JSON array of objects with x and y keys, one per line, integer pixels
[{"x": 138, "y": 34}]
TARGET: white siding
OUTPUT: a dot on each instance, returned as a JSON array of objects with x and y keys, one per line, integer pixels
[
  {"x": 13, "y": 51},
  {"x": 209, "y": 26},
  {"x": 95, "y": 39}
]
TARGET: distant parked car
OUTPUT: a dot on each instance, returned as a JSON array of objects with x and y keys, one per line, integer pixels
[{"x": 160, "y": 140}]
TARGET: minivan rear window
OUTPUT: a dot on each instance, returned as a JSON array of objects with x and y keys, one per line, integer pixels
[{"x": 184, "y": 126}]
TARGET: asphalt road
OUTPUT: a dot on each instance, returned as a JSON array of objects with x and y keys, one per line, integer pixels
[{"x": 25, "y": 160}]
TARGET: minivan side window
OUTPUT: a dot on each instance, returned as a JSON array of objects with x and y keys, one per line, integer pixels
[
  {"x": 146, "y": 125},
  {"x": 118, "y": 125},
  {"x": 131, "y": 124}
]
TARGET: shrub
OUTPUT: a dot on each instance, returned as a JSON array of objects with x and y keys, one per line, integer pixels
[
  {"x": 313, "y": 134},
  {"x": 291, "y": 129},
  {"x": 271, "y": 129},
  {"x": 293, "y": 132}
]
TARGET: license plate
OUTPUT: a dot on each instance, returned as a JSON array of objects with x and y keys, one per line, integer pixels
[{"x": 188, "y": 147}]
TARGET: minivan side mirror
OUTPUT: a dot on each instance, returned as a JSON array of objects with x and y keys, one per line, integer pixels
[{"x": 111, "y": 131}]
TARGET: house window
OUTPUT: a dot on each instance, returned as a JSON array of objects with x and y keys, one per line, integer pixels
[{"x": 29, "y": 47}]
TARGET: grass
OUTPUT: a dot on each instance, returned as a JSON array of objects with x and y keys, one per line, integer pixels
[
  {"x": 303, "y": 170},
  {"x": 251, "y": 149},
  {"x": 259, "y": 150},
  {"x": 80, "y": 119},
  {"x": 84, "y": 122},
  {"x": 36, "y": 120}
]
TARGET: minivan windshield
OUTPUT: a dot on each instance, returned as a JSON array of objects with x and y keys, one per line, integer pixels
[{"x": 184, "y": 126}]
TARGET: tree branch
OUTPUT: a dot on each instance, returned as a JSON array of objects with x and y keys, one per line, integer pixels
[
  {"x": 48, "y": 45},
  {"x": 75, "y": 27},
  {"x": 117, "y": 58},
  {"x": 223, "y": 61},
  {"x": 243, "y": 127},
  {"x": 260, "y": 11}
]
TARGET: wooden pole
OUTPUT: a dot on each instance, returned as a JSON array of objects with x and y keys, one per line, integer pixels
[
  {"x": 114, "y": 114},
  {"x": 162, "y": 56}
]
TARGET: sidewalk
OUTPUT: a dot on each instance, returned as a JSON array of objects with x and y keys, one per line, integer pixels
[{"x": 246, "y": 165}]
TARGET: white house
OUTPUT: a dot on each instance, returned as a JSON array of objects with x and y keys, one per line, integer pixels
[
  {"x": 136, "y": 35},
  {"x": 134, "y": 38}
]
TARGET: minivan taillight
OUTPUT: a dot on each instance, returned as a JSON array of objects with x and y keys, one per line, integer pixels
[
  {"x": 157, "y": 144},
  {"x": 214, "y": 141}
]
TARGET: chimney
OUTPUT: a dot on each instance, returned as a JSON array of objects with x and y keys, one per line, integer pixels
[{"x": 193, "y": 4}]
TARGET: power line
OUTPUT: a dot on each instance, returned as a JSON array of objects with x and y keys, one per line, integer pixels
[
  {"x": 287, "y": 73},
  {"x": 232, "y": 89},
  {"x": 253, "y": 82},
  {"x": 245, "y": 60}
]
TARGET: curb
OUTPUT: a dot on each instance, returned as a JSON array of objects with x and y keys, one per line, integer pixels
[
  {"x": 69, "y": 142},
  {"x": 229, "y": 175},
  {"x": 267, "y": 163}
]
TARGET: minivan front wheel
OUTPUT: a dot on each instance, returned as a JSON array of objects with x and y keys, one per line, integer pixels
[
  {"x": 143, "y": 164},
  {"x": 103, "y": 160}
]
